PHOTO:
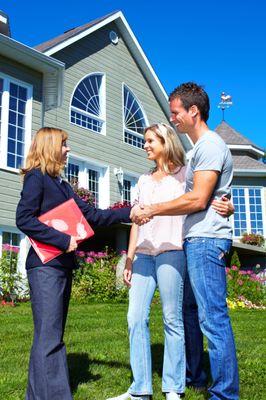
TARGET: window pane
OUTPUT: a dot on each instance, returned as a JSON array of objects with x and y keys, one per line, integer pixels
[
  {"x": 16, "y": 126},
  {"x": 93, "y": 184},
  {"x": 127, "y": 191},
  {"x": 87, "y": 98},
  {"x": 134, "y": 120}
]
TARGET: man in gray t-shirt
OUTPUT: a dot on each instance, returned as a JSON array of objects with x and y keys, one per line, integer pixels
[
  {"x": 210, "y": 153},
  {"x": 207, "y": 240}
]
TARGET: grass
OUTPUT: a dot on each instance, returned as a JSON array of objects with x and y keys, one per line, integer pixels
[{"x": 97, "y": 344}]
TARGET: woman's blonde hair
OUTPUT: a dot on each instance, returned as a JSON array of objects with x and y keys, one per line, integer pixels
[
  {"x": 174, "y": 155},
  {"x": 46, "y": 151}
]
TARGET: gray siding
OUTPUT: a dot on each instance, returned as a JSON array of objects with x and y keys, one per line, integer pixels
[
  {"x": 11, "y": 182},
  {"x": 96, "y": 54}
]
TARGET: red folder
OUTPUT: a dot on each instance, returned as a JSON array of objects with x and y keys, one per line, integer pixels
[{"x": 66, "y": 218}]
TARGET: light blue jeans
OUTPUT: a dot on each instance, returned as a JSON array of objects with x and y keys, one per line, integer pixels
[
  {"x": 167, "y": 270},
  {"x": 206, "y": 262}
]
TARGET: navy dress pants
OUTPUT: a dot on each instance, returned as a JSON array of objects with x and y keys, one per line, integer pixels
[{"x": 50, "y": 289}]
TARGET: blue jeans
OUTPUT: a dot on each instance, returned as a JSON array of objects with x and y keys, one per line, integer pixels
[
  {"x": 206, "y": 268},
  {"x": 167, "y": 270},
  {"x": 195, "y": 375}
]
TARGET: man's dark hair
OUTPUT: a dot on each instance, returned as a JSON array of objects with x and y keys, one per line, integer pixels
[{"x": 192, "y": 94}]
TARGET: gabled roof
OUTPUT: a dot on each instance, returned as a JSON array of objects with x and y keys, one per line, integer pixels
[
  {"x": 54, "y": 45},
  {"x": 52, "y": 69},
  {"x": 71, "y": 33},
  {"x": 236, "y": 140}
]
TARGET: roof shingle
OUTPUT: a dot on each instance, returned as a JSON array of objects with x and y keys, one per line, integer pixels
[
  {"x": 42, "y": 47},
  {"x": 231, "y": 136},
  {"x": 245, "y": 162}
]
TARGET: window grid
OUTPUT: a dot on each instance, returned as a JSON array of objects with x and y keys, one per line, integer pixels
[
  {"x": 127, "y": 190},
  {"x": 86, "y": 121},
  {"x": 93, "y": 185},
  {"x": 255, "y": 208},
  {"x": 16, "y": 125},
  {"x": 134, "y": 140},
  {"x": 248, "y": 211},
  {"x": 134, "y": 120},
  {"x": 13, "y": 239},
  {"x": 73, "y": 173},
  {"x": 87, "y": 106}
]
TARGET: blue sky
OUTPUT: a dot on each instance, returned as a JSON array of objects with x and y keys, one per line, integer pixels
[{"x": 221, "y": 45}]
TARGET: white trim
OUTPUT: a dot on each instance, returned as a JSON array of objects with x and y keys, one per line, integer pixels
[
  {"x": 5, "y": 115},
  {"x": 103, "y": 169},
  {"x": 102, "y": 102},
  {"x": 249, "y": 147},
  {"x": 249, "y": 172}
]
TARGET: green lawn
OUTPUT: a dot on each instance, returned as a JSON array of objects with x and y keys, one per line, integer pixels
[{"x": 96, "y": 339}]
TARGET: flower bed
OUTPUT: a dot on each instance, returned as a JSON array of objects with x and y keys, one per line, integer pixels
[{"x": 96, "y": 277}]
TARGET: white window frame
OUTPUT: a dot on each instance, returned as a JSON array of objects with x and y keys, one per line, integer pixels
[
  {"x": 246, "y": 196},
  {"x": 136, "y": 134},
  {"x": 133, "y": 178},
  {"x": 102, "y": 97},
  {"x": 102, "y": 169},
  {"x": 5, "y": 117}
]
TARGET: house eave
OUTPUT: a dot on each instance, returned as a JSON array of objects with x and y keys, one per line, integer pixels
[
  {"x": 52, "y": 69},
  {"x": 250, "y": 172},
  {"x": 248, "y": 147}
]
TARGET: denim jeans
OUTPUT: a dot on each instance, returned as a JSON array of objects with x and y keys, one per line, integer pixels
[
  {"x": 167, "y": 270},
  {"x": 195, "y": 375},
  {"x": 206, "y": 268}
]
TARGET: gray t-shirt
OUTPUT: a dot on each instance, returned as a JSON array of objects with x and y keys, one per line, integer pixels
[{"x": 210, "y": 153}]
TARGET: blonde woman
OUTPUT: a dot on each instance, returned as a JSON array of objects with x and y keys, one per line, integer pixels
[
  {"x": 159, "y": 260},
  {"x": 50, "y": 284}
]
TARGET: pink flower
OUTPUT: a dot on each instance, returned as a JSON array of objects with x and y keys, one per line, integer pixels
[
  {"x": 89, "y": 260},
  {"x": 8, "y": 247},
  {"x": 226, "y": 269},
  {"x": 100, "y": 254},
  {"x": 240, "y": 282},
  {"x": 80, "y": 253},
  {"x": 123, "y": 252},
  {"x": 91, "y": 254},
  {"x": 234, "y": 268}
]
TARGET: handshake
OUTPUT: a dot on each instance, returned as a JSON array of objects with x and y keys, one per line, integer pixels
[{"x": 141, "y": 214}]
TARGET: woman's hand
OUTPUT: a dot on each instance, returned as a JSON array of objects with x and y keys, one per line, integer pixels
[
  {"x": 128, "y": 272},
  {"x": 223, "y": 206},
  {"x": 73, "y": 244}
]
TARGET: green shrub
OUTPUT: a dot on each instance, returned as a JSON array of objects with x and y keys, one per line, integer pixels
[
  {"x": 235, "y": 260},
  {"x": 11, "y": 281},
  {"x": 96, "y": 278}
]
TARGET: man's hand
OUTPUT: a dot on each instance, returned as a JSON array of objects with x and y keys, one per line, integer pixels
[
  {"x": 223, "y": 206},
  {"x": 127, "y": 275},
  {"x": 73, "y": 244},
  {"x": 141, "y": 214}
]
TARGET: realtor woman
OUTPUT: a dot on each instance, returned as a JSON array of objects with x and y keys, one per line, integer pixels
[{"x": 50, "y": 283}]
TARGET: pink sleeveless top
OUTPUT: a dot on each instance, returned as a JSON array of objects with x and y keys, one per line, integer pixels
[{"x": 162, "y": 233}]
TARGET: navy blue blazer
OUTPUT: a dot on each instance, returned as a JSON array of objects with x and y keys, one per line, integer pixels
[{"x": 40, "y": 194}]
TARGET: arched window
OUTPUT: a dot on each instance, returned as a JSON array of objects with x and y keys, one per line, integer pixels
[
  {"x": 135, "y": 120},
  {"x": 88, "y": 103}
]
